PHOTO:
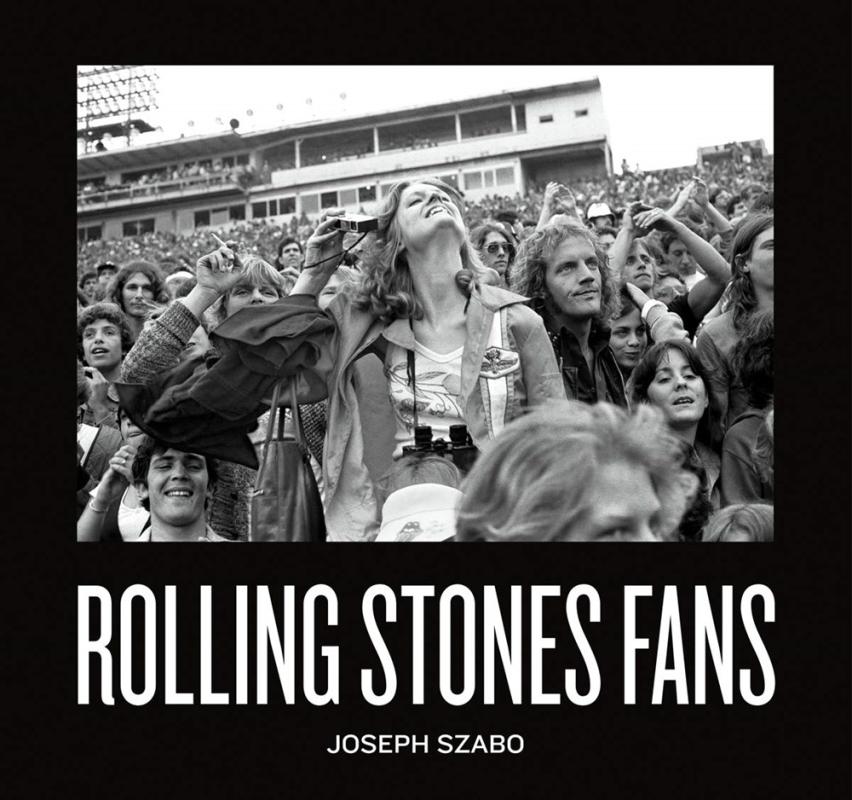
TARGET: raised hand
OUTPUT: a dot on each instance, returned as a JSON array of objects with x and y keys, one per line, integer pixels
[
  {"x": 325, "y": 244},
  {"x": 219, "y": 271},
  {"x": 117, "y": 477}
]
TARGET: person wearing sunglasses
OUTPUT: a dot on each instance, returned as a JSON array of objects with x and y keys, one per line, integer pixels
[{"x": 494, "y": 246}]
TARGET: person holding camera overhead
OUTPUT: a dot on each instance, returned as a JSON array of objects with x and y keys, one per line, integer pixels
[{"x": 455, "y": 349}]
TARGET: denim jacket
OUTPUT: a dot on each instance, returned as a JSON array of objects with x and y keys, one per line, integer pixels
[{"x": 351, "y": 512}]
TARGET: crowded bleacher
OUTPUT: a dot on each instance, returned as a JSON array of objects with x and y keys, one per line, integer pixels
[{"x": 622, "y": 389}]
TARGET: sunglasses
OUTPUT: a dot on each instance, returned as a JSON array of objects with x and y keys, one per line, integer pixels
[{"x": 495, "y": 248}]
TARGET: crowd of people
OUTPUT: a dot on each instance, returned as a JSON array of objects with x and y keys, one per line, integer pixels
[{"x": 593, "y": 362}]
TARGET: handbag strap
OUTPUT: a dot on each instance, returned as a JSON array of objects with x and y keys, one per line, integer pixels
[
  {"x": 270, "y": 428},
  {"x": 296, "y": 415}
]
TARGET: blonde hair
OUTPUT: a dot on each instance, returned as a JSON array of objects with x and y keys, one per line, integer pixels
[
  {"x": 755, "y": 520},
  {"x": 530, "y": 267},
  {"x": 532, "y": 482},
  {"x": 386, "y": 287},
  {"x": 256, "y": 272}
]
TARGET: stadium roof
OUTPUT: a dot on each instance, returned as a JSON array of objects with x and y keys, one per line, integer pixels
[{"x": 210, "y": 146}]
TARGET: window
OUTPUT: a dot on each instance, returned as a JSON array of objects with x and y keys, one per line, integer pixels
[
  {"x": 348, "y": 197},
  {"x": 489, "y": 177},
  {"x": 237, "y": 212},
  {"x": 366, "y": 194},
  {"x": 473, "y": 180},
  {"x": 89, "y": 234},
  {"x": 243, "y": 159},
  {"x": 137, "y": 227},
  {"x": 581, "y": 112},
  {"x": 505, "y": 176},
  {"x": 546, "y": 118},
  {"x": 228, "y": 161},
  {"x": 202, "y": 219},
  {"x": 521, "y": 117},
  {"x": 286, "y": 205},
  {"x": 273, "y": 208},
  {"x": 328, "y": 199},
  {"x": 310, "y": 203},
  {"x": 258, "y": 209},
  {"x": 452, "y": 179}
]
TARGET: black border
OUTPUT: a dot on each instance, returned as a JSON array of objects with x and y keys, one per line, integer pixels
[{"x": 798, "y": 743}]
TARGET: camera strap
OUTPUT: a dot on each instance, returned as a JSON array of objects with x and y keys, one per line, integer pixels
[{"x": 412, "y": 382}]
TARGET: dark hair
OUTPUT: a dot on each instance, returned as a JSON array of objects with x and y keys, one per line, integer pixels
[
  {"x": 110, "y": 312},
  {"x": 668, "y": 237},
  {"x": 506, "y": 216},
  {"x": 752, "y": 358},
  {"x": 81, "y": 298},
  {"x": 288, "y": 240},
  {"x": 88, "y": 275},
  {"x": 715, "y": 193},
  {"x": 645, "y": 371},
  {"x": 765, "y": 203},
  {"x": 741, "y": 297},
  {"x": 626, "y": 304},
  {"x": 150, "y": 447},
  {"x": 732, "y": 204},
  {"x": 149, "y": 270},
  {"x": 479, "y": 234}
]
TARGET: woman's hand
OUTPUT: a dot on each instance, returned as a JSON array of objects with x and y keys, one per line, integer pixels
[
  {"x": 117, "y": 477},
  {"x": 326, "y": 242},
  {"x": 219, "y": 271}
]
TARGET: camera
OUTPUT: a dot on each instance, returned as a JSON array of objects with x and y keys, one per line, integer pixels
[
  {"x": 356, "y": 223},
  {"x": 460, "y": 449}
]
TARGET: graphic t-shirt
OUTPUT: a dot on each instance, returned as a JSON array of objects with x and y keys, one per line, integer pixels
[{"x": 437, "y": 383}]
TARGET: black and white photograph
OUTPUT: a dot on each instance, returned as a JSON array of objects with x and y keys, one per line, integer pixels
[
  {"x": 350, "y": 307},
  {"x": 411, "y": 317}
]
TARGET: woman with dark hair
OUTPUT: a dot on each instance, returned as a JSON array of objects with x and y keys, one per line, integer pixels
[
  {"x": 137, "y": 288},
  {"x": 455, "y": 350},
  {"x": 670, "y": 376},
  {"x": 751, "y": 290},
  {"x": 741, "y": 480},
  {"x": 495, "y": 248}
]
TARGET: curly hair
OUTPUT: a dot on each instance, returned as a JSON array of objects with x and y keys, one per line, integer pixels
[
  {"x": 532, "y": 483},
  {"x": 386, "y": 288},
  {"x": 111, "y": 313},
  {"x": 150, "y": 271},
  {"x": 530, "y": 268},
  {"x": 742, "y": 299}
]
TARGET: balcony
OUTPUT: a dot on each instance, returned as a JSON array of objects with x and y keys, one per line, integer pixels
[{"x": 106, "y": 197}]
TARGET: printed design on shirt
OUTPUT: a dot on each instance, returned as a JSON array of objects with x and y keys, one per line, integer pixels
[
  {"x": 437, "y": 394},
  {"x": 498, "y": 362},
  {"x": 413, "y": 530}
]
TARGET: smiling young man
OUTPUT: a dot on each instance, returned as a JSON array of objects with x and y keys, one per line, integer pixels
[
  {"x": 562, "y": 269},
  {"x": 175, "y": 486}
]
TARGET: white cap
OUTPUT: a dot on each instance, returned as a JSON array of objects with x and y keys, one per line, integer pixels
[
  {"x": 424, "y": 512},
  {"x": 599, "y": 210}
]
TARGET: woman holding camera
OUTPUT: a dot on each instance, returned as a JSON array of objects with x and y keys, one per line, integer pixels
[{"x": 455, "y": 350}]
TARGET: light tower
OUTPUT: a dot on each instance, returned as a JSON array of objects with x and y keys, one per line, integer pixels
[{"x": 108, "y": 97}]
